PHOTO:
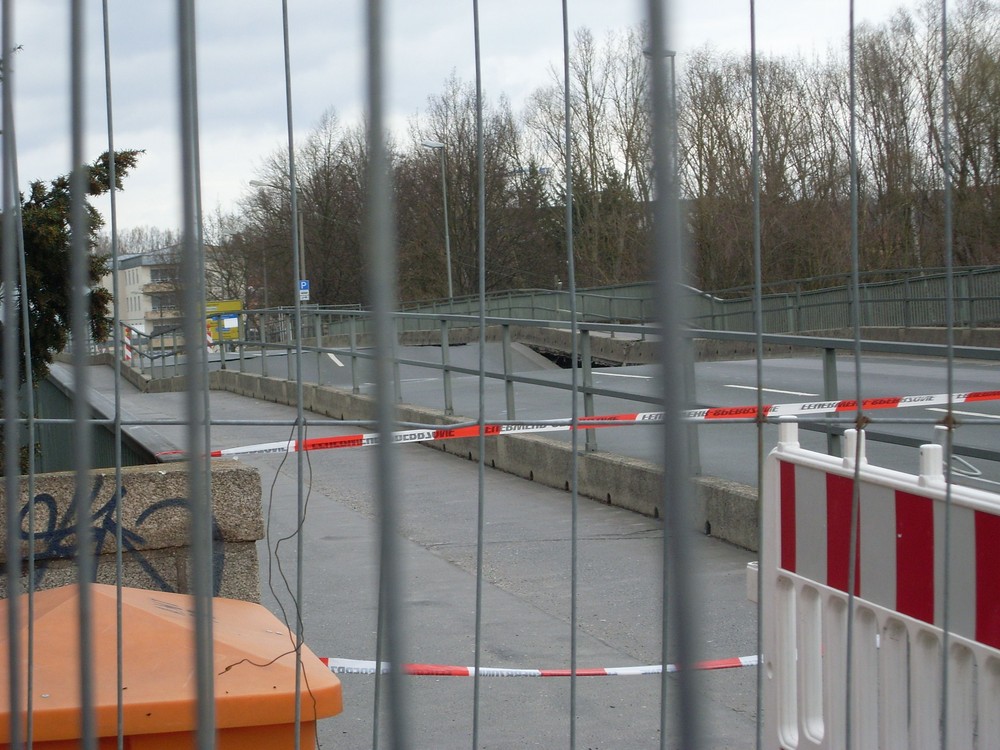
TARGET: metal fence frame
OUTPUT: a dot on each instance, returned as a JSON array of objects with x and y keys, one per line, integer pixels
[{"x": 942, "y": 304}]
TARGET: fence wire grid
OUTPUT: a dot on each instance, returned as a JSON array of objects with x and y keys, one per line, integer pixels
[{"x": 343, "y": 537}]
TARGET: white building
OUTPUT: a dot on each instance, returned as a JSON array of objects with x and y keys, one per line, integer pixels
[{"x": 148, "y": 290}]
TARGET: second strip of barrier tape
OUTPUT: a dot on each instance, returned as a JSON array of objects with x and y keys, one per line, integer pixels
[{"x": 361, "y": 666}]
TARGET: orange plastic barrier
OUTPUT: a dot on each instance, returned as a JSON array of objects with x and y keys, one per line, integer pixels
[{"x": 254, "y": 664}]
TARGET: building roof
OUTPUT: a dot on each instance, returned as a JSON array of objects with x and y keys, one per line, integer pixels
[{"x": 165, "y": 256}]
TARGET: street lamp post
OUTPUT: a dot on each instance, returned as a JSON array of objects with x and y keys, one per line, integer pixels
[
  {"x": 438, "y": 146},
  {"x": 302, "y": 242},
  {"x": 267, "y": 303}
]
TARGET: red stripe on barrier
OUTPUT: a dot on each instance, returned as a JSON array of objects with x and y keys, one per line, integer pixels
[
  {"x": 731, "y": 663},
  {"x": 839, "y": 499},
  {"x": 889, "y": 402},
  {"x": 734, "y": 412},
  {"x": 982, "y": 396},
  {"x": 323, "y": 443},
  {"x": 788, "y": 551},
  {"x": 987, "y": 579},
  {"x": 458, "y": 432},
  {"x": 436, "y": 670},
  {"x": 882, "y": 403},
  {"x": 915, "y": 556},
  {"x": 610, "y": 419}
]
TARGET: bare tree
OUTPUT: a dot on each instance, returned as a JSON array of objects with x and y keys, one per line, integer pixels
[
  {"x": 610, "y": 142},
  {"x": 329, "y": 169},
  {"x": 450, "y": 119},
  {"x": 138, "y": 240},
  {"x": 804, "y": 120},
  {"x": 974, "y": 67}
]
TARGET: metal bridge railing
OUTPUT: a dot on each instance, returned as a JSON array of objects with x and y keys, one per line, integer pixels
[
  {"x": 272, "y": 353},
  {"x": 956, "y": 299},
  {"x": 912, "y": 298}
]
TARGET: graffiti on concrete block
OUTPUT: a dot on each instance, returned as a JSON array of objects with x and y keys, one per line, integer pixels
[{"x": 57, "y": 536}]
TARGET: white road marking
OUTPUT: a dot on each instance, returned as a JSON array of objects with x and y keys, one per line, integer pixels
[
  {"x": 335, "y": 360},
  {"x": 965, "y": 413},
  {"x": 623, "y": 375},
  {"x": 772, "y": 390}
]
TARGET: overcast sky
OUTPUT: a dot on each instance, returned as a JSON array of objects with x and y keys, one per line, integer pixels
[{"x": 241, "y": 75}]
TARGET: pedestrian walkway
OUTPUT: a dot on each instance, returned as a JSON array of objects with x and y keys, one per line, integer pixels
[{"x": 526, "y": 594}]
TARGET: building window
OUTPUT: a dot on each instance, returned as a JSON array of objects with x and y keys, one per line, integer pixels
[
  {"x": 164, "y": 302},
  {"x": 163, "y": 275}
]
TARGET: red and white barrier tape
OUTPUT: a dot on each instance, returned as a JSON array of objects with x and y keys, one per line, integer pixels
[
  {"x": 360, "y": 666},
  {"x": 363, "y": 440},
  {"x": 847, "y": 405}
]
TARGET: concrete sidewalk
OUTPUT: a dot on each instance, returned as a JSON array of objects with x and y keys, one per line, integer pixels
[{"x": 526, "y": 590}]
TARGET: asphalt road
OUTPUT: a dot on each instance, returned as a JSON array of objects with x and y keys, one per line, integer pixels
[
  {"x": 526, "y": 585},
  {"x": 527, "y": 538},
  {"x": 726, "y": 450}
]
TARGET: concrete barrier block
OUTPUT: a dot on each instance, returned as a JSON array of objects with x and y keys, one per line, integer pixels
[
  {"x": 725, "y": 509},
  {"x": 151, "y": 513},
  {"x": 729, "y": 510}
]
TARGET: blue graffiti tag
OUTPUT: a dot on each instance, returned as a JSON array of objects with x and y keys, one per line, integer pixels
[{"x": 58, "y": 535}]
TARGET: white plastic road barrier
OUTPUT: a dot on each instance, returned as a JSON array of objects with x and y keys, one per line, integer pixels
[{"x": 904, "y": 528}]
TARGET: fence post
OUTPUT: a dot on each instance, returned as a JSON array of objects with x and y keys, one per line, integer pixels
[
  {"x": 694, "y": 447},
  {"x": 508, "y": 384},
  {"x": 355, "y": 385},
  {"x": 222, "y": 342},
  {"x": 243, "y": 339},
  {"x": 395, "y": 361},
  {"x": 588, "y": 383},
  {"x": 830, "y": 394},
  {"x": 319, "y": 347},
  {"x": 449, "y": 407},
  {"x": 969, "y": 301},
  {"x": 851, "y": 302},
  {"x": 263, "y": 345},
  {"x": 906, "y": 303},
  {"x": 798, "y": 307}
]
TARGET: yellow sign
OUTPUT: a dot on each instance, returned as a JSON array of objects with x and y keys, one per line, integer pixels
[{"x": 223, "y": 318}]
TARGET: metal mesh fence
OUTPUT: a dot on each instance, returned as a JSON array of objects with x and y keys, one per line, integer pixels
[{"x": 349, "y": 560}]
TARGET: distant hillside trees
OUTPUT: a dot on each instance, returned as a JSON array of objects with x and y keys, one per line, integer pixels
[{"x": 804, "y": 137}]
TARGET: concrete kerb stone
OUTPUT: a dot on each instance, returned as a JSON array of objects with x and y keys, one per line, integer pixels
[
  {"x": 154, "y": 520},
  {"x": 728, "y": 510}
]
